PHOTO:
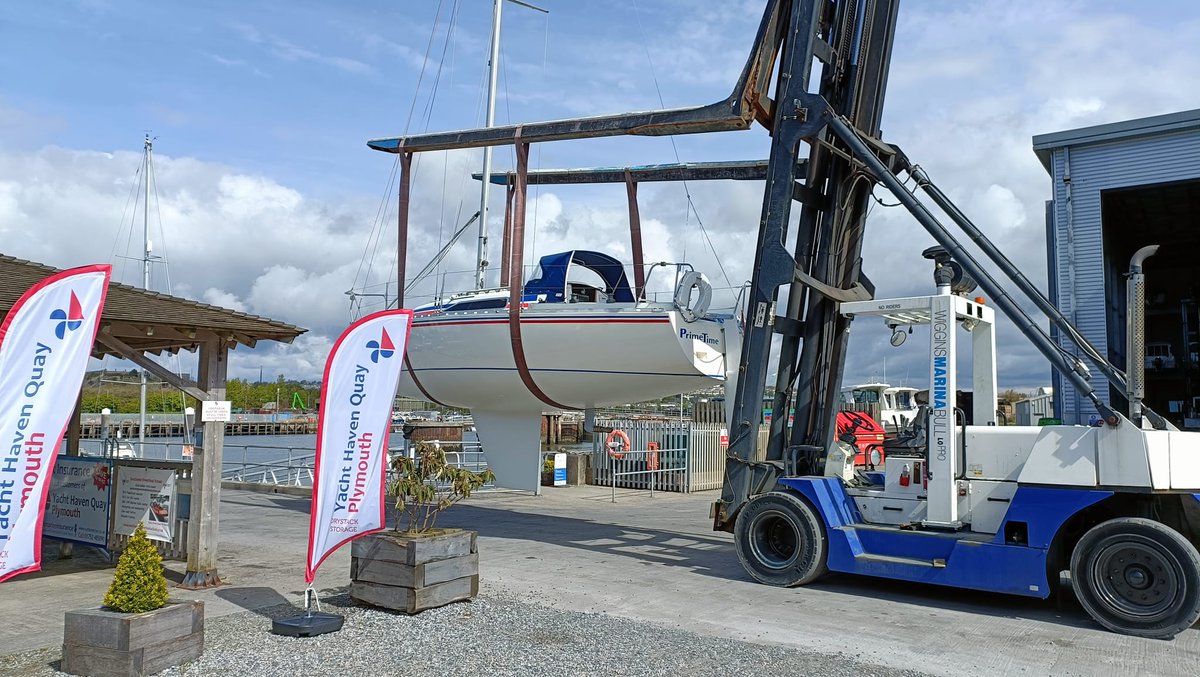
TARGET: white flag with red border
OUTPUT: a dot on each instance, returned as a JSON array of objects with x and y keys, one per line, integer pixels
[
  {"x": 45, "y": 343},
  {"x": 361, "y": 376}
]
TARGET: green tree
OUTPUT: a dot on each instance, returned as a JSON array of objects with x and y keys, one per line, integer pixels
[
  {"x": 1011, "y": 396},
  {"x": 139, "y": 584}
]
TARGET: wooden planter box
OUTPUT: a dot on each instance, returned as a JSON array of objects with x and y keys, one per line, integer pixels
[
  {"x": 410, "y": 574},
  {"x": 102, "y": 642}
]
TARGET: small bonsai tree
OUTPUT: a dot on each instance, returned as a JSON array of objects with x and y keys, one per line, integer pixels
[
  {"x": 139, "y": 584},
  {"x": 426, "y": 485}
]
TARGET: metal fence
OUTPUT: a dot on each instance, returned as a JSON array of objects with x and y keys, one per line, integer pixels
[{"x": 691, "y": 456}]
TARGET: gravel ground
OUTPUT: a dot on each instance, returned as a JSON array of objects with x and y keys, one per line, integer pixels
[{"x": 496, "y": 634}]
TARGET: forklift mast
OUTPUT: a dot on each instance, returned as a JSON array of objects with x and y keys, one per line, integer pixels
[{"x": 852, "y": 42}]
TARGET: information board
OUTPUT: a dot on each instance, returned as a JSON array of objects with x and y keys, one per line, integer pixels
[
  {"x": 215, "y": 411},
  {"x": 78, "y": 500},
  {"x": 145, "y": 495}
]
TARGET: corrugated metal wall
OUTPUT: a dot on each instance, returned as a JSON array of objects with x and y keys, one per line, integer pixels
[{"x": 1078, "y": 237}]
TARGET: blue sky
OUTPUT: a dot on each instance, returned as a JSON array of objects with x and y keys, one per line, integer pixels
[
  {"x": 293, "y": 89},
  {"x": 269, "y": 195}
]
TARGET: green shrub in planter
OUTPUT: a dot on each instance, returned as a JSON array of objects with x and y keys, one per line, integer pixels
[
  {"x": 426, "y": 485},
  {"x": 139, "y": 584}
]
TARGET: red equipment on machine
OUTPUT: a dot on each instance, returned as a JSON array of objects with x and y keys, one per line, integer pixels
[{"x": 867, "y": 433}]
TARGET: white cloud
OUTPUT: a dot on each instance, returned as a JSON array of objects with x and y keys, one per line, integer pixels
[
  {"x": 220, "y": 297},
  {"x": 231, "y": 239},
  {"x": 970, "y": 85}
]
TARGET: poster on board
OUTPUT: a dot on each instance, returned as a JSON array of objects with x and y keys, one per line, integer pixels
[
  {"x": 145, "y": 495},
  {"x": 77, "y": 505}
]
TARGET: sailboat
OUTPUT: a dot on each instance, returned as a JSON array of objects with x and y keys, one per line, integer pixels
[
  {"x": 575, "y": 335},
  {"x": 119, "y": 447}
]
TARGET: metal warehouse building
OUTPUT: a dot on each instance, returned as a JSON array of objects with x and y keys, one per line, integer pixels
[{"x": 1119, "y": 187}]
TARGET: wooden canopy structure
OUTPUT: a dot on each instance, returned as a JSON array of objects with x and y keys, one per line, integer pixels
[
  {"x": 149, "y": 322},
  {"x": 135, "y": 322}
]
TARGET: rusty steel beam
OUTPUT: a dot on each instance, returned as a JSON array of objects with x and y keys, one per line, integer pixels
[
  {"x": 747, "y": 103},
  {"x": 635, "y": 236},
  {"x": 506, "y": 239},
  {"x": 402, "y": 225},
  {"x": 736, "y": 170}
]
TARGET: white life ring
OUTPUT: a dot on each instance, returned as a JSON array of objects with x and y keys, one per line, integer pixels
[{"x": 683, "y": 295}]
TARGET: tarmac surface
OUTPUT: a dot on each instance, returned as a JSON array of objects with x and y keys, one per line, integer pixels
[{"x": 647, "y": 559}]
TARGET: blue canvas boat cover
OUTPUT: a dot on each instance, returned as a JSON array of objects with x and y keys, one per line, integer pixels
[{"x": 554, "y": 268}]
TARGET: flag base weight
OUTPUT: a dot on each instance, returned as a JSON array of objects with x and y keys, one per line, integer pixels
[{"x": 309, "y": 624}]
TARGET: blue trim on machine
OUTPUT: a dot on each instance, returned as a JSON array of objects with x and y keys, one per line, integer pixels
[{"x": 961, "y": 560}]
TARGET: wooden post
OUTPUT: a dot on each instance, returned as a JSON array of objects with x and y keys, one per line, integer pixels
[
  {"x": 66, "y": 550},
  {"x": 204, "y": 518}
]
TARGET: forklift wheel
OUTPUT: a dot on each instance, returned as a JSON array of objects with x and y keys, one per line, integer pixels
[
  {"x": 780, "y": 540},
  {"x": 1138, "y": 577}
]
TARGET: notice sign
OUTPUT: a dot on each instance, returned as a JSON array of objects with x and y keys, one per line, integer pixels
[
  {"x": 724, "y": 437},
  {"x": 560, "y": 470},
  {"x": 77, "y": 505},
  {"x": 145, "y": 495},
  {"x": 215, "y": 411}
]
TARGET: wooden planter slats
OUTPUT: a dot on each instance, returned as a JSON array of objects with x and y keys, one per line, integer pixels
[
  {"x": 411, "y": 574},
  {"x": 100, "y": 642}
]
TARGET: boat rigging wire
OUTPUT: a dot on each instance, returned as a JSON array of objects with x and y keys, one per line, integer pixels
[
  {"x": 133, "y": 189},
  {"x": 375, "y": 238},
  {"x": 686, "y": 191}
]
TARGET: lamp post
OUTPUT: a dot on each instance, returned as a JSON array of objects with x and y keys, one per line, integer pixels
[{"x": 105, "y": 431}]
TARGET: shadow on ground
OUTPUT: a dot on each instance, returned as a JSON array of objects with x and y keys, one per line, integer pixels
[{"x": 713, "y": 555}]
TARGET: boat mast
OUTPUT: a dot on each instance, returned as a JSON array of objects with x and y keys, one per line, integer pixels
[
  {"x": 493, "y": 70},
  {"x": 146, "y": 160},
  {"x": 481, "y": 254}
]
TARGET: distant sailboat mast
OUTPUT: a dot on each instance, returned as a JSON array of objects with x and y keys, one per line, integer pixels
[
  {"x": 146, "y": 249},
  {"x": 481, "y": 253}
]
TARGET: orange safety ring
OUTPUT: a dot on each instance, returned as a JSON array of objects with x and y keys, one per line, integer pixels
[
  {"x": 617, "y": 443},
  {"x": 652, "y": 456}
]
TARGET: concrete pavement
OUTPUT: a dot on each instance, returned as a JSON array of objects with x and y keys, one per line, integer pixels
[{"x": 650, "y": 559}]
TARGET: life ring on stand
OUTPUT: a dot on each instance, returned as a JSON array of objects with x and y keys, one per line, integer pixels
[
  {"x": 652, "y": 456},
  {"x": 683, "y": 295},
  {"x": 617, "y": 443}
]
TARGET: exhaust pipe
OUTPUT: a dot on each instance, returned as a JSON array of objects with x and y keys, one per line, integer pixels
[{"x": 1135, "y": 332}]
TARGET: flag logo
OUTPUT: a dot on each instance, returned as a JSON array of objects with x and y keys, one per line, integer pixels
[
  {"x": 68, "y": 320},
  {"x": 381, "y": 348}
]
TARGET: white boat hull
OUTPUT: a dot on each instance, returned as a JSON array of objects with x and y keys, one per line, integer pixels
[{"x": 579, "y": 355}]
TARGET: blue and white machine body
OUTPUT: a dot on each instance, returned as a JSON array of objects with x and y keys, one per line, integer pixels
[{"x": 979, "y": 506}]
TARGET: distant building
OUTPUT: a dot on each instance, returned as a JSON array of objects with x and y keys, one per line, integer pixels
[{"x": 1117, "y": 188}]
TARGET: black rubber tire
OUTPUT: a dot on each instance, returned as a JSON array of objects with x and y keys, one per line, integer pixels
[
  {"x": 1137, "y": 577},
  {"x": 780, "y": 540}
]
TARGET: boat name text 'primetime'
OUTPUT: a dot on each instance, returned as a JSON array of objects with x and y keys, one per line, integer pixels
[{"x": 686, "y": 333}]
